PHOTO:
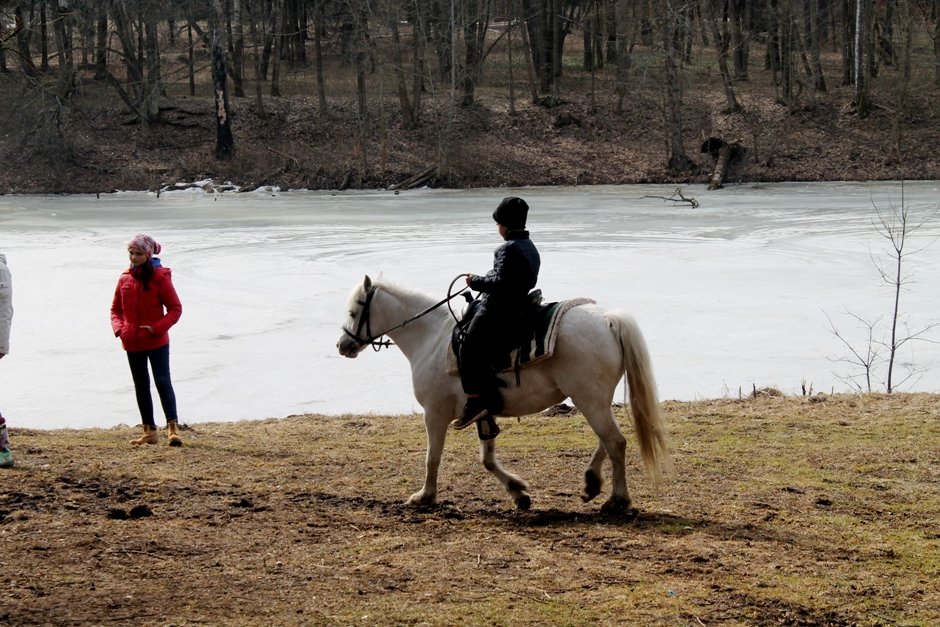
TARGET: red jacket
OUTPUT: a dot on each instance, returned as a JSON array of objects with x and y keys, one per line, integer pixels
[{"x": 133, "y": 307}]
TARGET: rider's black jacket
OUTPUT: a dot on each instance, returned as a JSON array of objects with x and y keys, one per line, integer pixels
[{"x": 515, "y": 271}]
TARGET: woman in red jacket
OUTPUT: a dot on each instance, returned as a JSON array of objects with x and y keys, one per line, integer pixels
[{"x": 144, "y": 308}]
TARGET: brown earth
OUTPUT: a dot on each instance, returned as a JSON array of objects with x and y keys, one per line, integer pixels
[
  {"x": 781, "y": 511},
  {"x": 89, "y": 144}
]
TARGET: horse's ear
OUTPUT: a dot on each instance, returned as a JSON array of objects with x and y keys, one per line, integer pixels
[{"x": 367, "y": 283}]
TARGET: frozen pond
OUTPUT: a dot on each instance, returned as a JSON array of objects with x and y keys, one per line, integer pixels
[{"x": 731, "y": 294}]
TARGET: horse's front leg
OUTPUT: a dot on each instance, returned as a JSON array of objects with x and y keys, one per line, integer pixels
[
  {"x": 436, "y": 427},
  {"x": 518, "y": 489}
]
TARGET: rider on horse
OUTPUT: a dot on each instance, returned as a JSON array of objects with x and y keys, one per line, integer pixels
[{"x": 505, "y": 295}]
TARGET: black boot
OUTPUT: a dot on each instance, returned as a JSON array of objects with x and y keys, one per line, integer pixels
[
  {"x": 474, "y": 410},
  {"x": 488, "y": 403}
]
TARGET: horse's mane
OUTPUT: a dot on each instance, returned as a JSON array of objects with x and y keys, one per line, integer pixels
[{"x": 405, "y": 293}]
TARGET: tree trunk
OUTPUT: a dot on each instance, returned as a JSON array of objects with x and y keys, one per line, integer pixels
[
  {"x": 540, "y": 22},
  {"x": 476, "y": 23},
  {"x": 224, "y": 139},
  {"x": 278, "y": 48},
  {"x": 407, "y": 116},
  {"x": 257, "y": 42},
  {"x": 861, "y": 81},
  {"x": 785, "y": 24},
  {"x": 556, "y": 47},
  {"x": 721, "y": 40},
  {"x": 886, "y": 34},
  {"x": 238, "y": 48},
  {"x": 529, "y": 54},
  {"x": 739, "y": 13},
  {"x": 44, "y": 36},
  {"x": 677, "y": 160},
  {"x": 318, "y": 25},
  {"x": 441, "y": 35},
  {"x": 936, "y": 47},
  {"x": 21, "y": 28},
  {"x": 152, "y": 90},
  {"x": 848, "y": 45},
  {"x": 190, "y": 60},
  {"x": 418, "y": 67},
  {"x": 626, "y": 27},
  {"x": 63, "y": 50},
  {"x": 811, "y": 7},
  {"x": 3, "y": 51},
  {"x": 101, "y": 44}
]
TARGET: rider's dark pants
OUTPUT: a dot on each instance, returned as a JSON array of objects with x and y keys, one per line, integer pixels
[{"x": 486, "y": 338}]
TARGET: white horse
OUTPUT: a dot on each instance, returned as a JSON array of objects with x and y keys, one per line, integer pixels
[{"x": 593, "y": 351}]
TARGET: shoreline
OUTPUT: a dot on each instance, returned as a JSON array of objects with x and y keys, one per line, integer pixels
[{"x": 227, "y": 187}]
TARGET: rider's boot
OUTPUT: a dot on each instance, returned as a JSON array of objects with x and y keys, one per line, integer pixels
[
  {"x": 478, "y": 407},
  {"x": 474, "y": 410}
]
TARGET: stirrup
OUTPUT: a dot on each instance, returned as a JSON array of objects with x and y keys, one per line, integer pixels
[{"x": 487, "y": 429}]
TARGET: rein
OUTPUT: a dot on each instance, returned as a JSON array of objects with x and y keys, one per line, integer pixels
[{"x": 375, "y": 338}]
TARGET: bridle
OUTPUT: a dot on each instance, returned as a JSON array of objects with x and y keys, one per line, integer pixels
[{"x": 375, "y": 339}]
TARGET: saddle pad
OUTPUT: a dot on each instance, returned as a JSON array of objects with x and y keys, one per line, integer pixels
[{"x": 542, "y": 345}]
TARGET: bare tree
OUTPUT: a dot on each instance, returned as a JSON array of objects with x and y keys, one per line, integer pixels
[
  {"x": 864, "y": 357},
  {"x": 894, "y": 225}
]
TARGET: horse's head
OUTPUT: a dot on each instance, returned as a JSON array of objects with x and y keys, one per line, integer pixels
[{"x": 357, "y": 332}]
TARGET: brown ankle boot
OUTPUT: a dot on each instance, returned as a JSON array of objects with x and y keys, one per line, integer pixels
[
  {"x": 149, "y": 437},
  {"x": 172, "y": 434}
]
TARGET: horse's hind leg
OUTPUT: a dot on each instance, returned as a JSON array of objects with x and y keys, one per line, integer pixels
[
  {"x": 593, "y": 479},
  {"x": 601, "y": 419},
  {"x": 517, "y": 488}
]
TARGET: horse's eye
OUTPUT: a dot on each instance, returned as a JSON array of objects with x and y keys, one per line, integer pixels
[{"x": 352, "y": 314}]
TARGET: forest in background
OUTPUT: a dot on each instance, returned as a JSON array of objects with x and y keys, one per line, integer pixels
[{"x": 120, "y": 94}]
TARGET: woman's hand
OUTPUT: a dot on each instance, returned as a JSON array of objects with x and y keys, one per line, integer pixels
[{"x": 469, "y": 278}]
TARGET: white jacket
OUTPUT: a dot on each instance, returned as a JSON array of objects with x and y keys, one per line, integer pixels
[{"x": 6, "y": 305}]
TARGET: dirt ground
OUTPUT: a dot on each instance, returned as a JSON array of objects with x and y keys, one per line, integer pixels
[
  {"x": 781, "y": 511},
  {"x": 90, "y": 144}
]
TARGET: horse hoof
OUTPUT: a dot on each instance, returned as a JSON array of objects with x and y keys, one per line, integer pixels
[
  {"x": 592, "y": 486},
  {"x": 523, "y": 503},
  {"x": 420, "y": 500},
  {"x": 618, "y": 507}
]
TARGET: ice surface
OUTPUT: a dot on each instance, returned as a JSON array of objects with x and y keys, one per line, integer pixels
[{"x": 731, "y": 294}]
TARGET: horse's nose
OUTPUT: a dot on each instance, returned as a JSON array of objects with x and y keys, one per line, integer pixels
[{"x": 346, "y": 348}]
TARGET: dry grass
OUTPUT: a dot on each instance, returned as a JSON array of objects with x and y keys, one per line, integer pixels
[{"x": 797, "y": 511}]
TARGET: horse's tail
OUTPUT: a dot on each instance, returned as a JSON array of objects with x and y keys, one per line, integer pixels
[{"x": 644, "y": 403}]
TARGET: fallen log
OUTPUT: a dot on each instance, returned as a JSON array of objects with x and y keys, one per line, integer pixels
[
  {"x": 721, "y": 166},
  {"x": 723, "y": 152},
  {"x": 417, "y": 180}
]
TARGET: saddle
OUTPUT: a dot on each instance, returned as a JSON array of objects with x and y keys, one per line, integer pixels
[{"x": 532, "y": 341}]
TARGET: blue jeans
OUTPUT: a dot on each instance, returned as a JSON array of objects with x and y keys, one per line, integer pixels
[{"x": 160, "y": 364}]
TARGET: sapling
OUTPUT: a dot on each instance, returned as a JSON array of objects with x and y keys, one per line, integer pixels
[{"x": 882, "y": 345}]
